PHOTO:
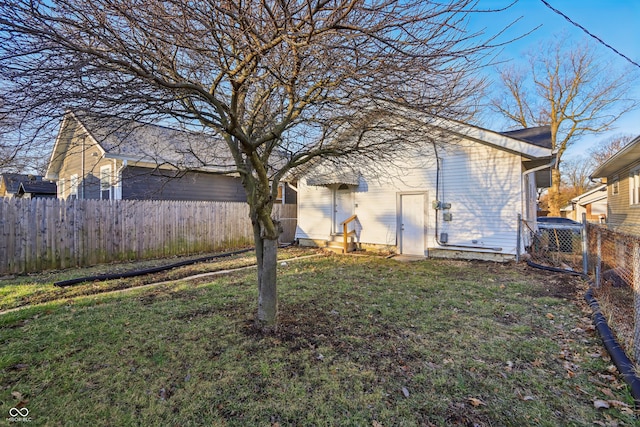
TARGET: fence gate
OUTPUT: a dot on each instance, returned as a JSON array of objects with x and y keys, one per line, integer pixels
[{"x": 559, "y": 244}]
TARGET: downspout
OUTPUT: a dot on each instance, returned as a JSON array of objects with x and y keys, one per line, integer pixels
[
  {"x": 437, "y": 232},
  {"x": 539, "y": 168},
  {"x": 530, "y": 171},
  {"x": 114, "y": 180}
]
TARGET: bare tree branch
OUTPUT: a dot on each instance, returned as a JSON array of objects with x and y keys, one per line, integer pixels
[
  {"x": 569, "y": 87},
  {"x": 277, "y": 81}
]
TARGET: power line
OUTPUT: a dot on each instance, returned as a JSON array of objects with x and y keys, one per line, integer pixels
[{"x": 589, "y": 33}]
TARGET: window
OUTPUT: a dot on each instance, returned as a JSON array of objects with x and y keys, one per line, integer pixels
[
  {"x": 73, "y": 191},
  {"x": 615, "y": 186},
  {"x": 280, "y": 193},
  {"x": 634, "y": 187},
  {"x": 105, "y": 183},
  {"x": 280, "y": 196}
]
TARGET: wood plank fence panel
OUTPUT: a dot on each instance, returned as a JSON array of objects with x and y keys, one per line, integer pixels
[{"x": 43, "y": 234}]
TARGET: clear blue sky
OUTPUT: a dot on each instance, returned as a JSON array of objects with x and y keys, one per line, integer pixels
[{"x": 616, "y": 22}]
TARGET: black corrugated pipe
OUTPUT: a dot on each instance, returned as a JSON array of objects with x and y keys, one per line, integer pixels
[
  {"x": 126, "y": 274},
  {"x": 619, "y": 357}
]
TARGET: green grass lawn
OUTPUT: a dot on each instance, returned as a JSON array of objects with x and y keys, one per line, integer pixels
[
  {"x": 361, "y": 341},
  {"x": 18, "y": 291}
]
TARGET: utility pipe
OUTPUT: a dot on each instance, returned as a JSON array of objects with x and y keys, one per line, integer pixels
[{"x": 112, "y": 276}]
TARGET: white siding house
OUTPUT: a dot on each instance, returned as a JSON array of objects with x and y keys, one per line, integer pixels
[{"x": 457, "y": 197}]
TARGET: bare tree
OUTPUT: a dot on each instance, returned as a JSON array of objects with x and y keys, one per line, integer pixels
[
  {"x": 23, "y": 147},
  {"x": 608, "y": 148},
  {"x": 276, "y": 80},
  {"x": 569, "y": 87},
  {"x": 575, "y": 175}
]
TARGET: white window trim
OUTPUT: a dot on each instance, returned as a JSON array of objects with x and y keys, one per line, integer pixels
[
  {"x": 105, "y": 172},
  {"x": 75, "y": 183},
  {"x": 634, "y": 187}
]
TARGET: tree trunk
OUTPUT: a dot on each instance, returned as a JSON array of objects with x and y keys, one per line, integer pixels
[
  {"x": 267, "y": 259},
  {"x": 554, "y": 193}
]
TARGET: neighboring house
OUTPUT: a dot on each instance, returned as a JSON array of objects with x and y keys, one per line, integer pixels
[
  {"x": 27, "y": 186},
  {"x": 622, "y": 176},
  {"x": 108, "y": 158},
  {"x": 459, "y": 197},
  {"x": 592, "y": 203},
  {"x": 10, "y": 184},
  {"x": 37, "y": 190}
]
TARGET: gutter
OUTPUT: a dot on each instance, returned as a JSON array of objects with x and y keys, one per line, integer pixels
[
  {"x": 150, "y": 162},
  {"x": 539, "y": 168}
]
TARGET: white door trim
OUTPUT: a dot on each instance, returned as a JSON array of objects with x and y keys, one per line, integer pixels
[
  {"x": 345, "y": 209},
  {"x": 401, "y": 239}
]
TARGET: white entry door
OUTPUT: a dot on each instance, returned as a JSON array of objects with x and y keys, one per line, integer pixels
[
  {"x": 343, "y": 207},
  {"x": 412, "y": 223}
]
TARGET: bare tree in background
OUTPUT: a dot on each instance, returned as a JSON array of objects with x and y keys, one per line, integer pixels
[
  {"x": 575, "y": 179},
  {"x": 608, "y": 148},
  {"x": 276, "y": 80},
  {"x": 575, "y": 175},
  {"x": 569, "y": 87}
]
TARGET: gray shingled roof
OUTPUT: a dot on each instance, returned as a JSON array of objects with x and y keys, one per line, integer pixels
[
  {"x": 156, "y": 144},
  {"x": 540, "y": 136},
  {"x": 12, "y": 181}
]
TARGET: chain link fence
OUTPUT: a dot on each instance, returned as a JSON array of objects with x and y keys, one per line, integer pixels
[
  {"x": 611, "y": 258},
  {"x": 614, "y": 265},
  {"x": 555, "y": 244}
]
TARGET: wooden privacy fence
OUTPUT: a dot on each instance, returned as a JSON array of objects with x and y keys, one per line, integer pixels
[{"x": 43, "y": 234}]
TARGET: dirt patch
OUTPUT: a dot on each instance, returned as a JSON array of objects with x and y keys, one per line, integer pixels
[
  {"x": 298, "y": 330},
  {"x": 556, "y": 285}
]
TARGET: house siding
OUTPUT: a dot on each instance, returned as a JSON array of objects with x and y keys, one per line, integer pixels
[
  {"x": 376, "y": 197},
  {"x": 84, "y": 158},
  {"x": 315, "y": 208},
  {"x": 483, "y": 185},
  {"x": 149, "y": 184},
  {"x": 3, "y": 189},
  {"x": 620, "y": 214}
]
